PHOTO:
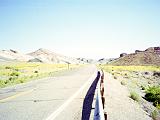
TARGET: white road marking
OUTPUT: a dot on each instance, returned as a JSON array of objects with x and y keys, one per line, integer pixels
[{"x": 64, "y": 105}]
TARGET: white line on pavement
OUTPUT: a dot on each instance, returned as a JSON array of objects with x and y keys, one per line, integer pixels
[{"x": 64, "y": 105}]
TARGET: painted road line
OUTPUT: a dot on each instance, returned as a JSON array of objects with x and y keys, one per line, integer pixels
[
  {"x": 64, "y": 105},
  {"x": 16, "y": 95}
]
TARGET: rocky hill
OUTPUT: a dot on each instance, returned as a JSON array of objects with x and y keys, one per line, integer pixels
[
  {"x": 12, "y": 55},
  {"x": 150, "y": 56},
  {"x": 46, "y": 56}
]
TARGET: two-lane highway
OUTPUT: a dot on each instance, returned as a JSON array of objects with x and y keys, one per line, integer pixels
[{"x": 59, "y": 98}]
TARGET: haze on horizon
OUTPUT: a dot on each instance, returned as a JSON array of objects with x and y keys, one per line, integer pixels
[{"x": 80, "y": 28}]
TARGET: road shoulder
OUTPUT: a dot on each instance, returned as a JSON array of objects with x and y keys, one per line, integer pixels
[{"x": 118, "y": 105}]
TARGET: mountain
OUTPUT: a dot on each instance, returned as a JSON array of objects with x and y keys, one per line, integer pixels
[
  {"x": 40, "y": 55},
  {"x": 46, "y": 56},
  {"x": 12, "y": 55},
  {"x": 150, "y": 56}
]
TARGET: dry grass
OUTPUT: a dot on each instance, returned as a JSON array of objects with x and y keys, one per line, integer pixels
[
  {"x": 20, "y": 72},
  {"x": 110, "y": 68}
]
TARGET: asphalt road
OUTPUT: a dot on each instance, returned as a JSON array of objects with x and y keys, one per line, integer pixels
[{"x": 59, "y": 98}]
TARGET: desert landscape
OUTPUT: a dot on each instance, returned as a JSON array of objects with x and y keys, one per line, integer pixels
[
  {"x": 79, "y": 60},
  {"x": 138, "y": 72}
]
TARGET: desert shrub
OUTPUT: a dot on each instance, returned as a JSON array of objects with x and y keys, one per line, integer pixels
[
  {"x": 36, "y": 71},
  {"x": 7, "y": 67},
  {"x": 123, "y": 82},
  {"x": 126, "y": 74},
  {"x": 15, "y": 74},
  {"x": 115, "y": 77},
  {"x": 32, "y": 76},
  {"x": 153, "y": 95},
  {"x": 157, "y": 104},
  {"x": 2, "y": 84},
  {"x": 134, "y": 96},
  {"x": 21, "y": 81},
  {"x": 6, "y": 81},
  {"x": 143, "y": 87},
  {"x": 10, "y": 78},
  {"x": 16, "y": 69},
  {"x": 154, "y": 114}
]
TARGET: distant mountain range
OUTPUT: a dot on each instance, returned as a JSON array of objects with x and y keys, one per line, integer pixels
[
  {"x": 40, "y": 55},
  {"x": 150, "y": 56}
]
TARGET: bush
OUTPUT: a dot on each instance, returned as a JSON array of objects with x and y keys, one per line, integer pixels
[
  {"x": 154, "y": 115},
  {"x": 135, "y": 96},
  {"x": 7, "y": 67},
  {"x": 11, "y": 78},
  {"x": 143, "y": 87},
  {"x": 14, "y": 74},
  {"x": 153, "y": 95},
  {"x": 31, "y": 76},
  {"x": 126, "y": 74},
  {"x": 6, "y": 81},
  {"x": 21, "y": 81},
  {"x": 2, "y": 84},
  {"x": 36, "y": 71}
]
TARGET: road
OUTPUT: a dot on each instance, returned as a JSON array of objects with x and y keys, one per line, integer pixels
[{"x": 60, "y": 97}]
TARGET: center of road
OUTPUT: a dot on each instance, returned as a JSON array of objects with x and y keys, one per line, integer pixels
[{"x": 67, "y": 102}]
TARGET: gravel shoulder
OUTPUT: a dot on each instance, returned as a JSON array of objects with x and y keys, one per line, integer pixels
[{"x": 118, "y": 105}]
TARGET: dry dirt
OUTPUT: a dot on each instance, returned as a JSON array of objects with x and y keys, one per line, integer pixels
[{"x": 119, "y": 106}]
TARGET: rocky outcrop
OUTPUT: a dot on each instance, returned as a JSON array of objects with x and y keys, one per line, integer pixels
[
  {"x": 123, "y": 54},
  {"x": 138, "y": 51},
  {"x": 157, "y": 50},
  {"x": 153, "y": 49}
]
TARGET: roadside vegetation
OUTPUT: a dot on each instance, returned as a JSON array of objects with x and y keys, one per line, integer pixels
[
  {"x": 143, "y": 82},
  {"x": 135, "y": 96},
  {"x": 21, "y": 72},
  {"x": 153, "y": 95}
]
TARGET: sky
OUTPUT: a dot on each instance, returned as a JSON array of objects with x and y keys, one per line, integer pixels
[{"x": 80, "y": 28}]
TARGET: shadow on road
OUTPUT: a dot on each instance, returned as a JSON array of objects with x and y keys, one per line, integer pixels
[{"x": 87, "y": 103}]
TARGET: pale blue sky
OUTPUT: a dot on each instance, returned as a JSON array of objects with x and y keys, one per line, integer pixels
[{"x": 80, "y": 28}]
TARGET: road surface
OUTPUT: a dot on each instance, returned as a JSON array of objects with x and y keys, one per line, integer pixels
[{"x": 59, "y": 98}]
